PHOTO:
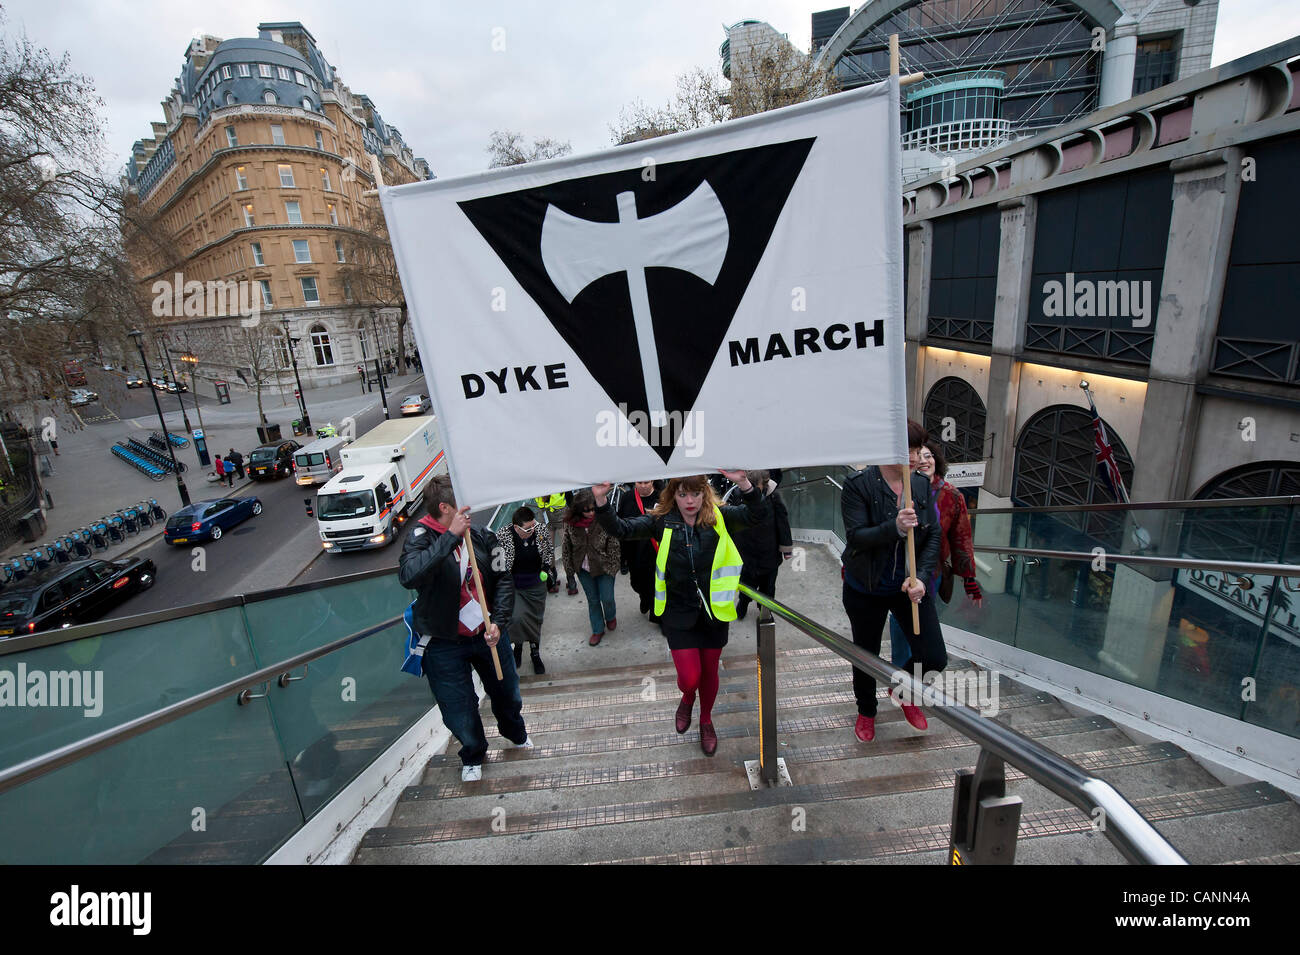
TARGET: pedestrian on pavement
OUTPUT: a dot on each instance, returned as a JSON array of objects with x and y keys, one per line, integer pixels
[
  {"x": 956, "y": 550},
  {"x": 592, "y": 555},
  {"x": 218, "y": 468},
  {"x": 55, "y": 445},
  {"x": 527, "y": 550},
  {"x": 697, "y": 571},
  {"x": 640, "y": 554},
  {"x": 435, "y": 563},
  {"x": 876, "y": 581},
  {"x": 765, "y": 545},
  {"x": 550, "y": 507},
  {"x": 233, "y": 456}
]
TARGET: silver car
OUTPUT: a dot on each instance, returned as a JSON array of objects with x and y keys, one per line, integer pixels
[{"x": 416, "y": 404}]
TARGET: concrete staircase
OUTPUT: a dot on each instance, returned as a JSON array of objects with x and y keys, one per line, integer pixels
[{"x": 611, "y": 781}]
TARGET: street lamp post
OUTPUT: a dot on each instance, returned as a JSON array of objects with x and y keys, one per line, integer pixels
[
  {"x": 293, "y": 357},
  {"x": 379, "y": 369},
  {"x": 180, "y": 483},
  {"x": 166, "y": 352},
  {"x": 191, "y": 361}
]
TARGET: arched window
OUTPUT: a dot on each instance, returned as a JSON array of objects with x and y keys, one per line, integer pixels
[
  {"x": 230, "y": 99},
  {"x": 1056, "y": 460},
  {"x": 282, "y": 350},
  {"x": 306, "y": 104},
  {"x": 320, "y": 345},
  {"x": 364, "y": 339},
  {"x": 270, "y": 98},
  {"x": 953, "y": 408},
  {"x": 1238, "y": 533},
  {"x": 1056, "y": 466}
]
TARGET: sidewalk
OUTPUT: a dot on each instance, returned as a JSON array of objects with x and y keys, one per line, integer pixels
[{"x": 89, "y": 482}]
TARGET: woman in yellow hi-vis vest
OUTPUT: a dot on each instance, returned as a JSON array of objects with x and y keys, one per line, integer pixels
[{"x": 697, "y": 571}]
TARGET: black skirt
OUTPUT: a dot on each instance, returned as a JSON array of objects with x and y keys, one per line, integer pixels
[{"x": 705, "y": 634}]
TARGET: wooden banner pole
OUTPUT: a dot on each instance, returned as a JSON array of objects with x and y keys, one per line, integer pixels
[
  {"x": 482, "y": 600},
  {"x": 911, "y": 548}
]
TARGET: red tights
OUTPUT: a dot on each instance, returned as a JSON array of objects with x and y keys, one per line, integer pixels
[{"x": 698, "y": 670}]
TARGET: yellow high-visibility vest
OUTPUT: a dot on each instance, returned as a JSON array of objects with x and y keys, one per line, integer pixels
[
  {"x": 723, "y": 580},
  {"x": 553, "y": 503}
]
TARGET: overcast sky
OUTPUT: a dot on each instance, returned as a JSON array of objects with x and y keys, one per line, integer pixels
[{"x": 566, "y": 71}]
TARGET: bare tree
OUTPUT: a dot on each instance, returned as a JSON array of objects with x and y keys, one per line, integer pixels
[
  {"x": 508, "y": 148},
  {"x": 259, "y": 358},
  {"x": 766, "y": 76},
  {"x": 371, "y": 273}
]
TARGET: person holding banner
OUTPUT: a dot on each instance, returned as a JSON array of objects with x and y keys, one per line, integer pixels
[
  {"x": 640, "y": 554},
  {"x": 436, "y": 563},
  {"x": 876, "y": 581},
  {"x": 697, "y": 572}
]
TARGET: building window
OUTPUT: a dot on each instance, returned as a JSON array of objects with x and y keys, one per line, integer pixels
[
  {"x": 299, "y": 78},
  {"x": 301, "y": 251},
  {"x": 264, "y": 71},
  {"x": 244, "y": 70},
  {"x": 325, "y": 179},
  {"x": 257, "y": 254},
  {"x": 334, "y": 216},
  {"x": 320, "y": 344},
  {"x": 286, "y": 176},
  {"x": 338, "y": 250},
  {"x": 309, "y": 294},
  {"x": 269, "y": 98},
  {"x": 266, "y": 292},
  {"x": 314, "y": 87},
  {"x": 225, "y": 72},
  {"x": 282, "y": 344},
  {"x": 231, "y": 138},
  {"x": 365, "y": 344},
  {"x": 277, "y": 134},
  {"x": 347, "y": 289},
  {"x": 284, "y": 73},
  {"x": 248, "y": 214},
  {"x": 294, "y": 212},
  {"x": 306, "y": 104},
  {"x": 230, "y": 99},
  {"x": 241, "y": 177},
  {"x": 320, "y": 140}
]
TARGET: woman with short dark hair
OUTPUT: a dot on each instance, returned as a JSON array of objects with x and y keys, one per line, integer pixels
[
  {"x": 592, "y": 556},
  {"x": 527, "y": 551}
]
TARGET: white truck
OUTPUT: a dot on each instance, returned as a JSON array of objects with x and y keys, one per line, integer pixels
[{"x": 385, "y": 472}]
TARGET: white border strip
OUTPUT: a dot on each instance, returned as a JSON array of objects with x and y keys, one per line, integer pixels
[
  {"x": 1230, "y": 750},
  {"x": 332, "y": 836}
]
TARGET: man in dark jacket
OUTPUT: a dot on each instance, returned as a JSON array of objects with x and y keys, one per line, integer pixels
[
  {"x": 876, "y": 582},
  {"x": 640, "y": 554},
  {"x": 765, "y": 545},
  {"x": 446, "y": 612},
  {"x": 238, "y": 460}
]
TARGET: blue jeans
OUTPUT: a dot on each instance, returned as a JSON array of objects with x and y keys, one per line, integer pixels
[
  {"x": 600, "y": 598},
  {"x": 448, "y": 664}
]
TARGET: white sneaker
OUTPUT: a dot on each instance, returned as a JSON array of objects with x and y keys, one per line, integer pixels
[
  {"x": 471, "y": 774},
  {"x": 526, "y": 744}
]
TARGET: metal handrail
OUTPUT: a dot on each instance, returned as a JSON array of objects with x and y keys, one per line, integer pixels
[
  {"x": 1188, "y": 563},
  {"x": 1290, "y": 501},
  {"x": 1126, "y": 828},
  {"x": 38, "y": 766}
]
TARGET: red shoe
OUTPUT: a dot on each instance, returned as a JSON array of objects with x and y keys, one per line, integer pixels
[
  {"x": 612, "y": 623},
  {"x": 915, "y": 716},
  {"x": 865, "y": 728},
  {"x": 684, "y": 709},
  {"x": 595, "y": 638},
  {"x": 708, "y": 739}
]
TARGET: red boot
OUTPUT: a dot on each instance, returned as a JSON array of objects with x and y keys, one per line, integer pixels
[{"x": 865, "y": 728}]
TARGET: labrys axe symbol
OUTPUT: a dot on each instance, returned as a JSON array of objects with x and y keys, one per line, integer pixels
[{"x": 691, "y": 236}]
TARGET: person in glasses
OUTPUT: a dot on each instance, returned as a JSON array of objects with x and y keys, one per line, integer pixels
[
  {"x": 527, "y": 550},
  {"x": 592, "y": 555}
]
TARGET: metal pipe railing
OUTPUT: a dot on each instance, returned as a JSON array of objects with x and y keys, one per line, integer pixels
[
  {"x": 1184, "y": 563},
  {"x": 1126, "y": 828},
  {"x": 38, "y": 766}
]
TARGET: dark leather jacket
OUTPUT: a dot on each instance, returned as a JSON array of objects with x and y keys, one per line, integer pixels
[
  {"x": 868, "y": 507},
  {"x": 429, "y": 565},
  {"x": 680, "y": 580}
]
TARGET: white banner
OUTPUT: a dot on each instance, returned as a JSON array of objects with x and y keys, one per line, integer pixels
[{"x": 724, "y": 298}]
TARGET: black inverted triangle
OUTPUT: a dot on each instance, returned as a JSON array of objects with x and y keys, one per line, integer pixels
[{"x": 690, "y": 317}]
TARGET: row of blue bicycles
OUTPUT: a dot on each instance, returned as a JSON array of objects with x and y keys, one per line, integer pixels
[
  {"x": 84, "y": 541},
  {"x": 149, "y": 459}
]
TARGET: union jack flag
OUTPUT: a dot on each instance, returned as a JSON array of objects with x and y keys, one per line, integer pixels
[{"x": 1106, "y": 463}]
